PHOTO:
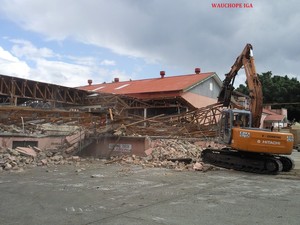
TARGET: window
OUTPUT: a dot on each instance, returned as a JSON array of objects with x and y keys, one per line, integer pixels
[
  {"x": 24, "y": 143},
  {"x": 211, "y": 86}
]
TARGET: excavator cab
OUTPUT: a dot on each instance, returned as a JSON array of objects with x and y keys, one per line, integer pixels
[{"x": 231, "y": 118}]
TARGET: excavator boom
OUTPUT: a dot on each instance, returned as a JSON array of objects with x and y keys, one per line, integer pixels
[{"x": 245, "y": 59}]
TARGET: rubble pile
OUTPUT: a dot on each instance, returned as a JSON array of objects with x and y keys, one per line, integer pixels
[
  {"x": 35, "y": 129},
  {"x": 169, "y": 153},
  {"x": 178, "y": 154},
  {"x": 28, "y": 157}
]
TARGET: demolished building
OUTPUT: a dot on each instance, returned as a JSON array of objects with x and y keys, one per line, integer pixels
[
  {"x": 55, "y": 117},
  {"x": 47, "y": 122}
]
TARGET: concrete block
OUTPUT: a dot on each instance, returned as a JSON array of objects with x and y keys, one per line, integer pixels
[{"x": 26, "y": 151}]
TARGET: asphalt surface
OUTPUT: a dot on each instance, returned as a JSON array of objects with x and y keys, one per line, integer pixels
[{"x": 117, "y": 195}]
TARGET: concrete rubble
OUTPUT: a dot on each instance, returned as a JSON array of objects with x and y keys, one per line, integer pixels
[
  {"x": 27, "y": 157},
  {"x": 174, "y": 154},
  {"x": 73, "y": 131},
  {"x": 68, "y": 132}
]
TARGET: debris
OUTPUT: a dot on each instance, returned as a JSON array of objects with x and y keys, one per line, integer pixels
[
  {"x": 198, "y": 166},
  {"x": 7, "y": 166},
  {"x": 21, "y": 157},
  {"x": 44, "y": 161},
  {"x": 209, "y": 167},
  {"x": 76, "y": 127},
  {"x": 97, "y": 175},
  {"x": 148, "y": 151},
  {"x": 75, "y": 158},
  {"x": 26, "y": 151},
  {"x": 184, "y": 160},
  {"x": 38, "y": 150},
  {"x": 78, "y": 170},
  {"x": 176, "y": 154},
  {"x": 114, "y": 160},
  {"x": 70, "y": 149},
  {"x": 57, "y": 158}
]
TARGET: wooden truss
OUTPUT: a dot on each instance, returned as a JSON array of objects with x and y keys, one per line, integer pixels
[
  {"x": 201, "y": 122},
  {"x": 18, "y": 88}
]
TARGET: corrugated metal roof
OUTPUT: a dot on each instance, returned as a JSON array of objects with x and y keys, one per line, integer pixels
[
  {"x": 154, "y": 85},
  {"x": 275, "y": 118},
  {"x": 272, "y": 116}
]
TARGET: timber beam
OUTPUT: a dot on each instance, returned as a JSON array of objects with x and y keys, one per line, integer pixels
[{"x": 17, "y": 88}]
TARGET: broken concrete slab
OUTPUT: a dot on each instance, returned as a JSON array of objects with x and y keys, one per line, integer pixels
[
  {"x": 38, "y": 150},
  {"x": 26, "y": 151}
]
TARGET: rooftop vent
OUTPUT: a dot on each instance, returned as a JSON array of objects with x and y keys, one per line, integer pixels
[
  {"x": 90, "y": 82},
  {"x": 197, "y": 70},
  {"x": 162, "y": 74}
]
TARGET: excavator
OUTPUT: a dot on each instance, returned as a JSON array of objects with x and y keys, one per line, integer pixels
[{"x": 248, "y": 148}]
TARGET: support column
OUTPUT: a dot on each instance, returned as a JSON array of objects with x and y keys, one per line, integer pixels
[{"x": 145, "y": 116}]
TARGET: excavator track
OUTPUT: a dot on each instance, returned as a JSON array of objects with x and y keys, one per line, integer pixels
[{"x": 248, "y": 162}]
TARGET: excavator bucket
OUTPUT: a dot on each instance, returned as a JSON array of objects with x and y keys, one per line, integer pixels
[{"x": 225, "y": 95}]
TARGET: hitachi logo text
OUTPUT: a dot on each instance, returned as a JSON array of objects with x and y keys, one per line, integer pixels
[{"x": 271, "y": 142}]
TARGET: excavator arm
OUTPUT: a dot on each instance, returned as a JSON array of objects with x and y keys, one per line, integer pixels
[{"x": 255, "y": 90}]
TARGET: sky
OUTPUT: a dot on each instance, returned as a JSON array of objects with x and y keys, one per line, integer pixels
[{"x": 67, "y": 42}]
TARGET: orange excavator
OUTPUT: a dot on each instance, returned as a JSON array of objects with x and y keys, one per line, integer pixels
[{"x": 248, "y": 148}]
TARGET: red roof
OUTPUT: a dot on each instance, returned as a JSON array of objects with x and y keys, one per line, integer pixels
[
  {"x": 275, "y": 118},
  {"x": 272, "y": 116},
  {"x": 154, "y": 85}
]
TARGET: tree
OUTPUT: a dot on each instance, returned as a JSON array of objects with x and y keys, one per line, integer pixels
[{"x": 282, "y": 90}]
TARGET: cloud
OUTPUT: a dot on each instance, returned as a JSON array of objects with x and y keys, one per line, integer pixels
[
  {"x": 61, "y": 73},
  {"x": 48, "y": 66},
  {"x": 11, "y": 65},
  {"x": 55, "y": 72},
  {"x": 27, "y": 50},
  {"x": 108, "y": 63},
  {"x": 72, "y": 75},
  {"x": 181, "y": 34}
]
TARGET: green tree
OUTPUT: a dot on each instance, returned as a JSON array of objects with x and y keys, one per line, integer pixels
[{"x": 282, "y": 90}]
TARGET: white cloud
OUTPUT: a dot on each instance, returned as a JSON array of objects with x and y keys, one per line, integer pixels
[
  {"x": 82, "y": 60},
  {"x": 43, "y": 70},
  {"x": 61, "y": 73},
  {"x": 72, "y": 75},
  {"x": 27, "y": 50},
  {"x": 50, "y": 67},
  {"x": 11, "y": 65},
  {"x": 108, "y": 63}
]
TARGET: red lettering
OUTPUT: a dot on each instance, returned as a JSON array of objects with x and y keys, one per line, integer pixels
[
  {"x": 248, "y": 5},
  {"x": 231, "y": 5}
]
